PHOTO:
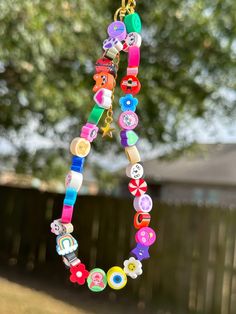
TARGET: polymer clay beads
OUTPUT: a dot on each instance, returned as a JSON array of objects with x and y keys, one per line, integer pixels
[{"x": 123, "y": 36}]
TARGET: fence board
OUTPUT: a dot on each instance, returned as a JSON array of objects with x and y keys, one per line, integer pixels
[{"x": 193, "y": 264}]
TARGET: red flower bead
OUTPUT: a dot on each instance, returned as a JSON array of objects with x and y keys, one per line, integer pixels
[{"x": 78, "y": 274}]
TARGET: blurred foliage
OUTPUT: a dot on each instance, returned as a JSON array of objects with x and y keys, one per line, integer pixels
[{"x": 47, "y": 52}]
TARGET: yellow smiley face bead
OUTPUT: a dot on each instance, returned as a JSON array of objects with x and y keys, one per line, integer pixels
[
  {"x": 80, "y": 147},
  {"x": 116, "y": 278}
]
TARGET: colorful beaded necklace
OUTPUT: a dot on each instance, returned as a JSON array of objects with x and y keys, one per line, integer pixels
[{"x": 124, "y": 35}]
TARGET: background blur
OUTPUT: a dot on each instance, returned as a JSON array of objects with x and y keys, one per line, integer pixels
[{"x": 188, "y": 144}]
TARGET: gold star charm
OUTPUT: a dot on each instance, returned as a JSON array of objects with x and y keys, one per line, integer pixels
[{"x": 107, "y": 130}]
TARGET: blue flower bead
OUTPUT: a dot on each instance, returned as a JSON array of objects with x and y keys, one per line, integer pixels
[{"x": 128, "y": 102}]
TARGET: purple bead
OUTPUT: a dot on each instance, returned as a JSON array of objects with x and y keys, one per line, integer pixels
[
  {"x": 117, "y": 30},
  {"x": 141, "y": 252},
  {"x": 128, "y": 138}
]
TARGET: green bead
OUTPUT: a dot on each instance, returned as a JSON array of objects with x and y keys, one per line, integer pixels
[
  {"x": 133, "y": 23},
  {"x": 95, "y": 114},
  {"x": 97, "y": 280}
]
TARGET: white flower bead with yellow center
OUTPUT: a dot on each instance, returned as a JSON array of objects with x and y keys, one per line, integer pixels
[{"x": 133, "y": 267}]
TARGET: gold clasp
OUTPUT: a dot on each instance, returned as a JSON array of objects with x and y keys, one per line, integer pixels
[{"x": 128, "y": 7}]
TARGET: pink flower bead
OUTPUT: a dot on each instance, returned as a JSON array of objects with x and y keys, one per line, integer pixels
[{"x": 89, "y": 132}]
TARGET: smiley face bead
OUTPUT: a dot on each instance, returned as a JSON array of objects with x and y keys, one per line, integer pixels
[
  {"x": 80, "y": 147},
  {"x": 97, "y": 280},
  {"x": 145, "y": 236},
  {"x": 134, "y": 171},
  {"x": 116, "y": 278},
  {"x": 133, "y": 267},
  {"x": 128, "y": 120},
  {"x": 117, "y": 30}
]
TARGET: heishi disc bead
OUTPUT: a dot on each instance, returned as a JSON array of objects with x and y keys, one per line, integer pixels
[
  {"x": 134, "y": 56},
  {"x": 132, "y": 154},
  {"x": 130, "y": 85},
  {"x": 116, "y": 278},
  {"x": 111, "y": 53},
  {"x": 128, "y": 138},
  {"x": 70, "y": 197},
  {"x": 134, "y": 171},
  {"x": 132, "y": 71},
  {"x": 128, "y": 120},
  {"x": 77, "y": 164},
  {"x": 117, "y": 30},
  {"x": 133, "y": 23},
  {"x": 103, "y": 98},
  {"x": 89, "y": 131},
  {"x": 141, "y": 220},
  {"x": 145, "y": 236},
  {"x": 97, "y": 280},
  {"x": 132, "y": 39},
  {"x": 80, "y": 147},
  {"x": 137, "y": 187},
  {"x": 74, "y": 180},
  {"x": 143, "y": 203},
  {"x": 95, "y": 114}
]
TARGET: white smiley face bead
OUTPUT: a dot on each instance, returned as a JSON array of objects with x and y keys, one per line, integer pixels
[
  {"x": 74, "y": 180},
  {"x": 143, "y": 203},
  {"x": 116, "y": 278},
  {"x": 134, "y": 171},
  {"x": 132, "y": 39},
  {"x": 128, "y": 120},
  {"x": 145, "y": 236},
  {"x": 133, "y": 267}
]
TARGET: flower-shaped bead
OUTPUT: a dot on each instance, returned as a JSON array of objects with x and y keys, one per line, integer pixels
[
  {"x": 78, "y": 274},
  {"x": 128, "y": 102},
  {"x": 133, "y": 267}
]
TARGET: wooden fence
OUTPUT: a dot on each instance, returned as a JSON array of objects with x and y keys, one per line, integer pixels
[{"x": 193, "y": 263}]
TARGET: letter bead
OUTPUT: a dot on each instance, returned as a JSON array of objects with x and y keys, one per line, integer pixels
[
  {"x": 134, "y": 171},
  {"x": 80, "y": 147}
]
